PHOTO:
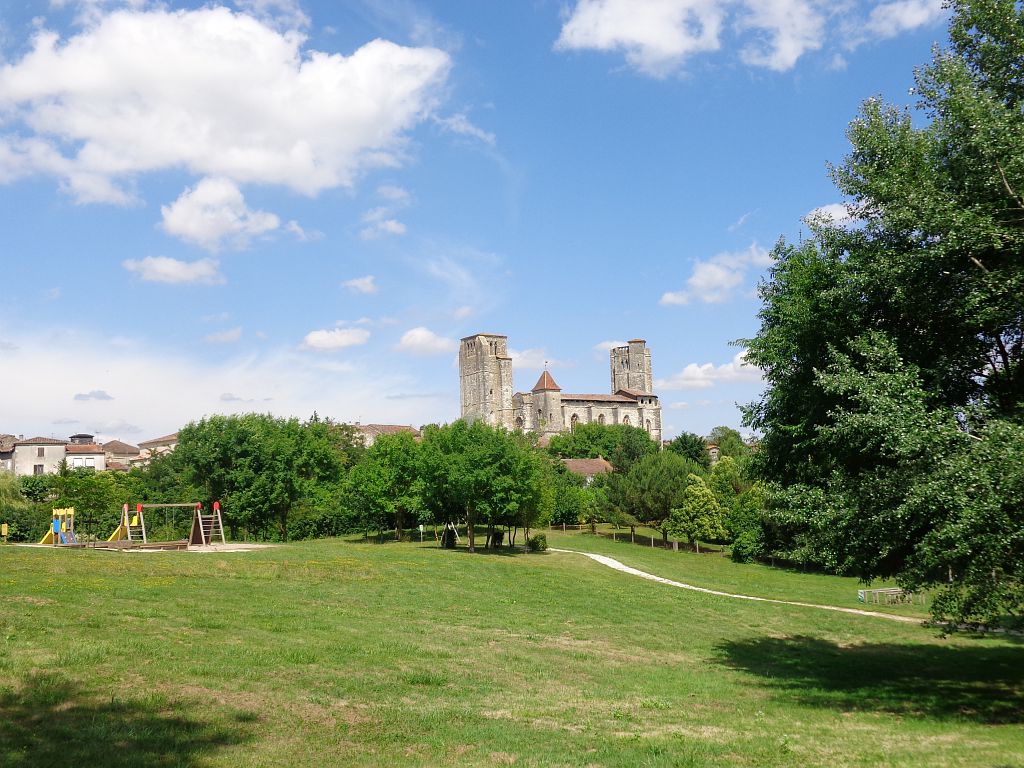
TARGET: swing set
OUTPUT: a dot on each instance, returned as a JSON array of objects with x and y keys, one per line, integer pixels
[{"x": 131, "y": 530}]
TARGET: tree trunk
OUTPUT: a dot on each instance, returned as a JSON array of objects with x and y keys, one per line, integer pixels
[
  {"x": 632, "y": 534},
  {"x": 470, "y": 533},
  {"x": 399, "y": 524}
]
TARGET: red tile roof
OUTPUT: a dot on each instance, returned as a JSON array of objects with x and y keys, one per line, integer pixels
[
  {"x": 546, "y": 384},
  {"x": 171, "y": 438},
  {"x": 116, "y": 446},
  {"x": 600, "y": 398},
  {"x": 83, "y": 448},
  {"x": 42, "y": 441}
]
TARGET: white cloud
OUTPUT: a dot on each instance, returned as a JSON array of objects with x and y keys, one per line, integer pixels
[
  {"x": 460, "y": 124},
  {"x": 423, "y": 341},
  {"x": 365, "y": 284},
  {"x": 461, "y": 313},
  {"x": 657, "y": 37},
  {"x": 224, "y": 337},
  {"x": 211, "y": 91},
  {"x": 715, "y": 280},
  {"x": 602, "y": 348},
  {"x": 189, "y": 386},
  {"x": 891, "y": 19},
  {"x": 680, "y": 406},
  {"x": 302, "y": 235},
  {"x": 532, "y": 359},
  {"x": 833, "y": 213},
  {"x": 791, "y": 27},
  {"x": 379, "y": 223},
  {"x": 212, "y": 213},
  {"x": 163, "y": 269},
  {"x": 705, "y": 376},
  {"x": 329, "y": 340}
]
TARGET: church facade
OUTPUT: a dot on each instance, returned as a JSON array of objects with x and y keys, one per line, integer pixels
[{"x": 485, "y": 378}]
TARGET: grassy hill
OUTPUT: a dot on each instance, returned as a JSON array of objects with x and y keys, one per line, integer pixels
[{"x": 344, "y": 653}]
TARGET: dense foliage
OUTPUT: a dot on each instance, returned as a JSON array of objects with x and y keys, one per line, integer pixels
[{"x": 894, "y": 348}]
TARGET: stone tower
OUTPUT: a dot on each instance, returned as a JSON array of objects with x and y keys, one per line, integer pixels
[
  {"x": 547, "y": 399},
  {"x": 631, "y": 367},
  {"x": 485, "y": 379}
]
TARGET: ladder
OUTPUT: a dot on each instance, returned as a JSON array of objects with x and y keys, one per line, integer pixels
[{"x": 207, "y": 528}]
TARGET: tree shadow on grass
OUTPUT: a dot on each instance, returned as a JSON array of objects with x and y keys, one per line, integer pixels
[
  {"x": 51, "y": 721},
  {"x": 983, "y": 684}
]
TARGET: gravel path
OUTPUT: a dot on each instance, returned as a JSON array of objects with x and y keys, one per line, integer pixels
[{"x": 613, "y": 563}]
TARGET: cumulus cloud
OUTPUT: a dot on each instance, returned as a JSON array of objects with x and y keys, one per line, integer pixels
[
  {"x": 695, "y": 376},
  {"x": 224, "y": 337},
  {"x": 608, "y": 346},
  {"x": 332, "y": 339},
  {"x": 715, "y": 280},
  {"x": 365, "y": 284},
  {"x": 790, "y": 28},
  {"x": 214, "y": 213},
  {"x": 423, "y": 341},
  {"x": 163, "y": 269},
  {"x": 217, "y": 93},
  {"x": 657, "y": 37},
  {"x": 96, "y": 394},
  {"x": 892, "y": 19},
  {"x": 833, "y": 213}
]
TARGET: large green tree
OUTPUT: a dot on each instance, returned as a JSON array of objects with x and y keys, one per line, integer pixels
[
  {"x": 259, "y": 466},
  {"x": 481, "y": 475},
  {"x": 621, "y": 444},
  {"x": 894, "y": 348}
]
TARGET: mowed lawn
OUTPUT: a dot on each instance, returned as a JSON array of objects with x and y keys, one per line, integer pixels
[{"x": 344, "y": 653}]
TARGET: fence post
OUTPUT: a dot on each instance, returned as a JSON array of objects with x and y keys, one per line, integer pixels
[{"x": 675, "y": 546}]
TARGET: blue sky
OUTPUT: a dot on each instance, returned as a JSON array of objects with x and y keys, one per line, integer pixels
[{"x": 287, "y": 206}]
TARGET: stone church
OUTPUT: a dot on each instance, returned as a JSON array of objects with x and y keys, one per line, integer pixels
[{"x": 485, "y": 377}]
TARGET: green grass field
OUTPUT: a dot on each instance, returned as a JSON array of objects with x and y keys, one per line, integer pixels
[{"x": 344, "y": 653}]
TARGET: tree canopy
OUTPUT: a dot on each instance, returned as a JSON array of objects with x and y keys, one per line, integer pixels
[{"x": 893, "y": 347}]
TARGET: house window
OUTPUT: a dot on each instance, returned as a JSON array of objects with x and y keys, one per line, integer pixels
[
  {"x": 37, "y": 469},
  {"x": 40, "y": 452},
  {"x": 91, "y": 462},
  {"x": 77, "y": 462}
]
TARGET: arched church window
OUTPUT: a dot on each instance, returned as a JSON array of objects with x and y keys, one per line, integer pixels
[
  {"x": 625, "y": 419},
  {"x": 573, "y": 421},
  {"x": 519, "y": 423},
  {"x": 648, "y": 426},
  {"x": 600, "y": 419}
]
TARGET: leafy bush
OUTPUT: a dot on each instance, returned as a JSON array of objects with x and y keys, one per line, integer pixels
[
  {"x": 747, "y": 547},
  {"x": 537, "y": 543}
]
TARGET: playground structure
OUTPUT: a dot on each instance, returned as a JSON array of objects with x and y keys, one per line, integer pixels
[
  {"x": 205, "y": 528},
  {"x": 62, "y": 528},
  {"x": 131, "y": 529}
]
